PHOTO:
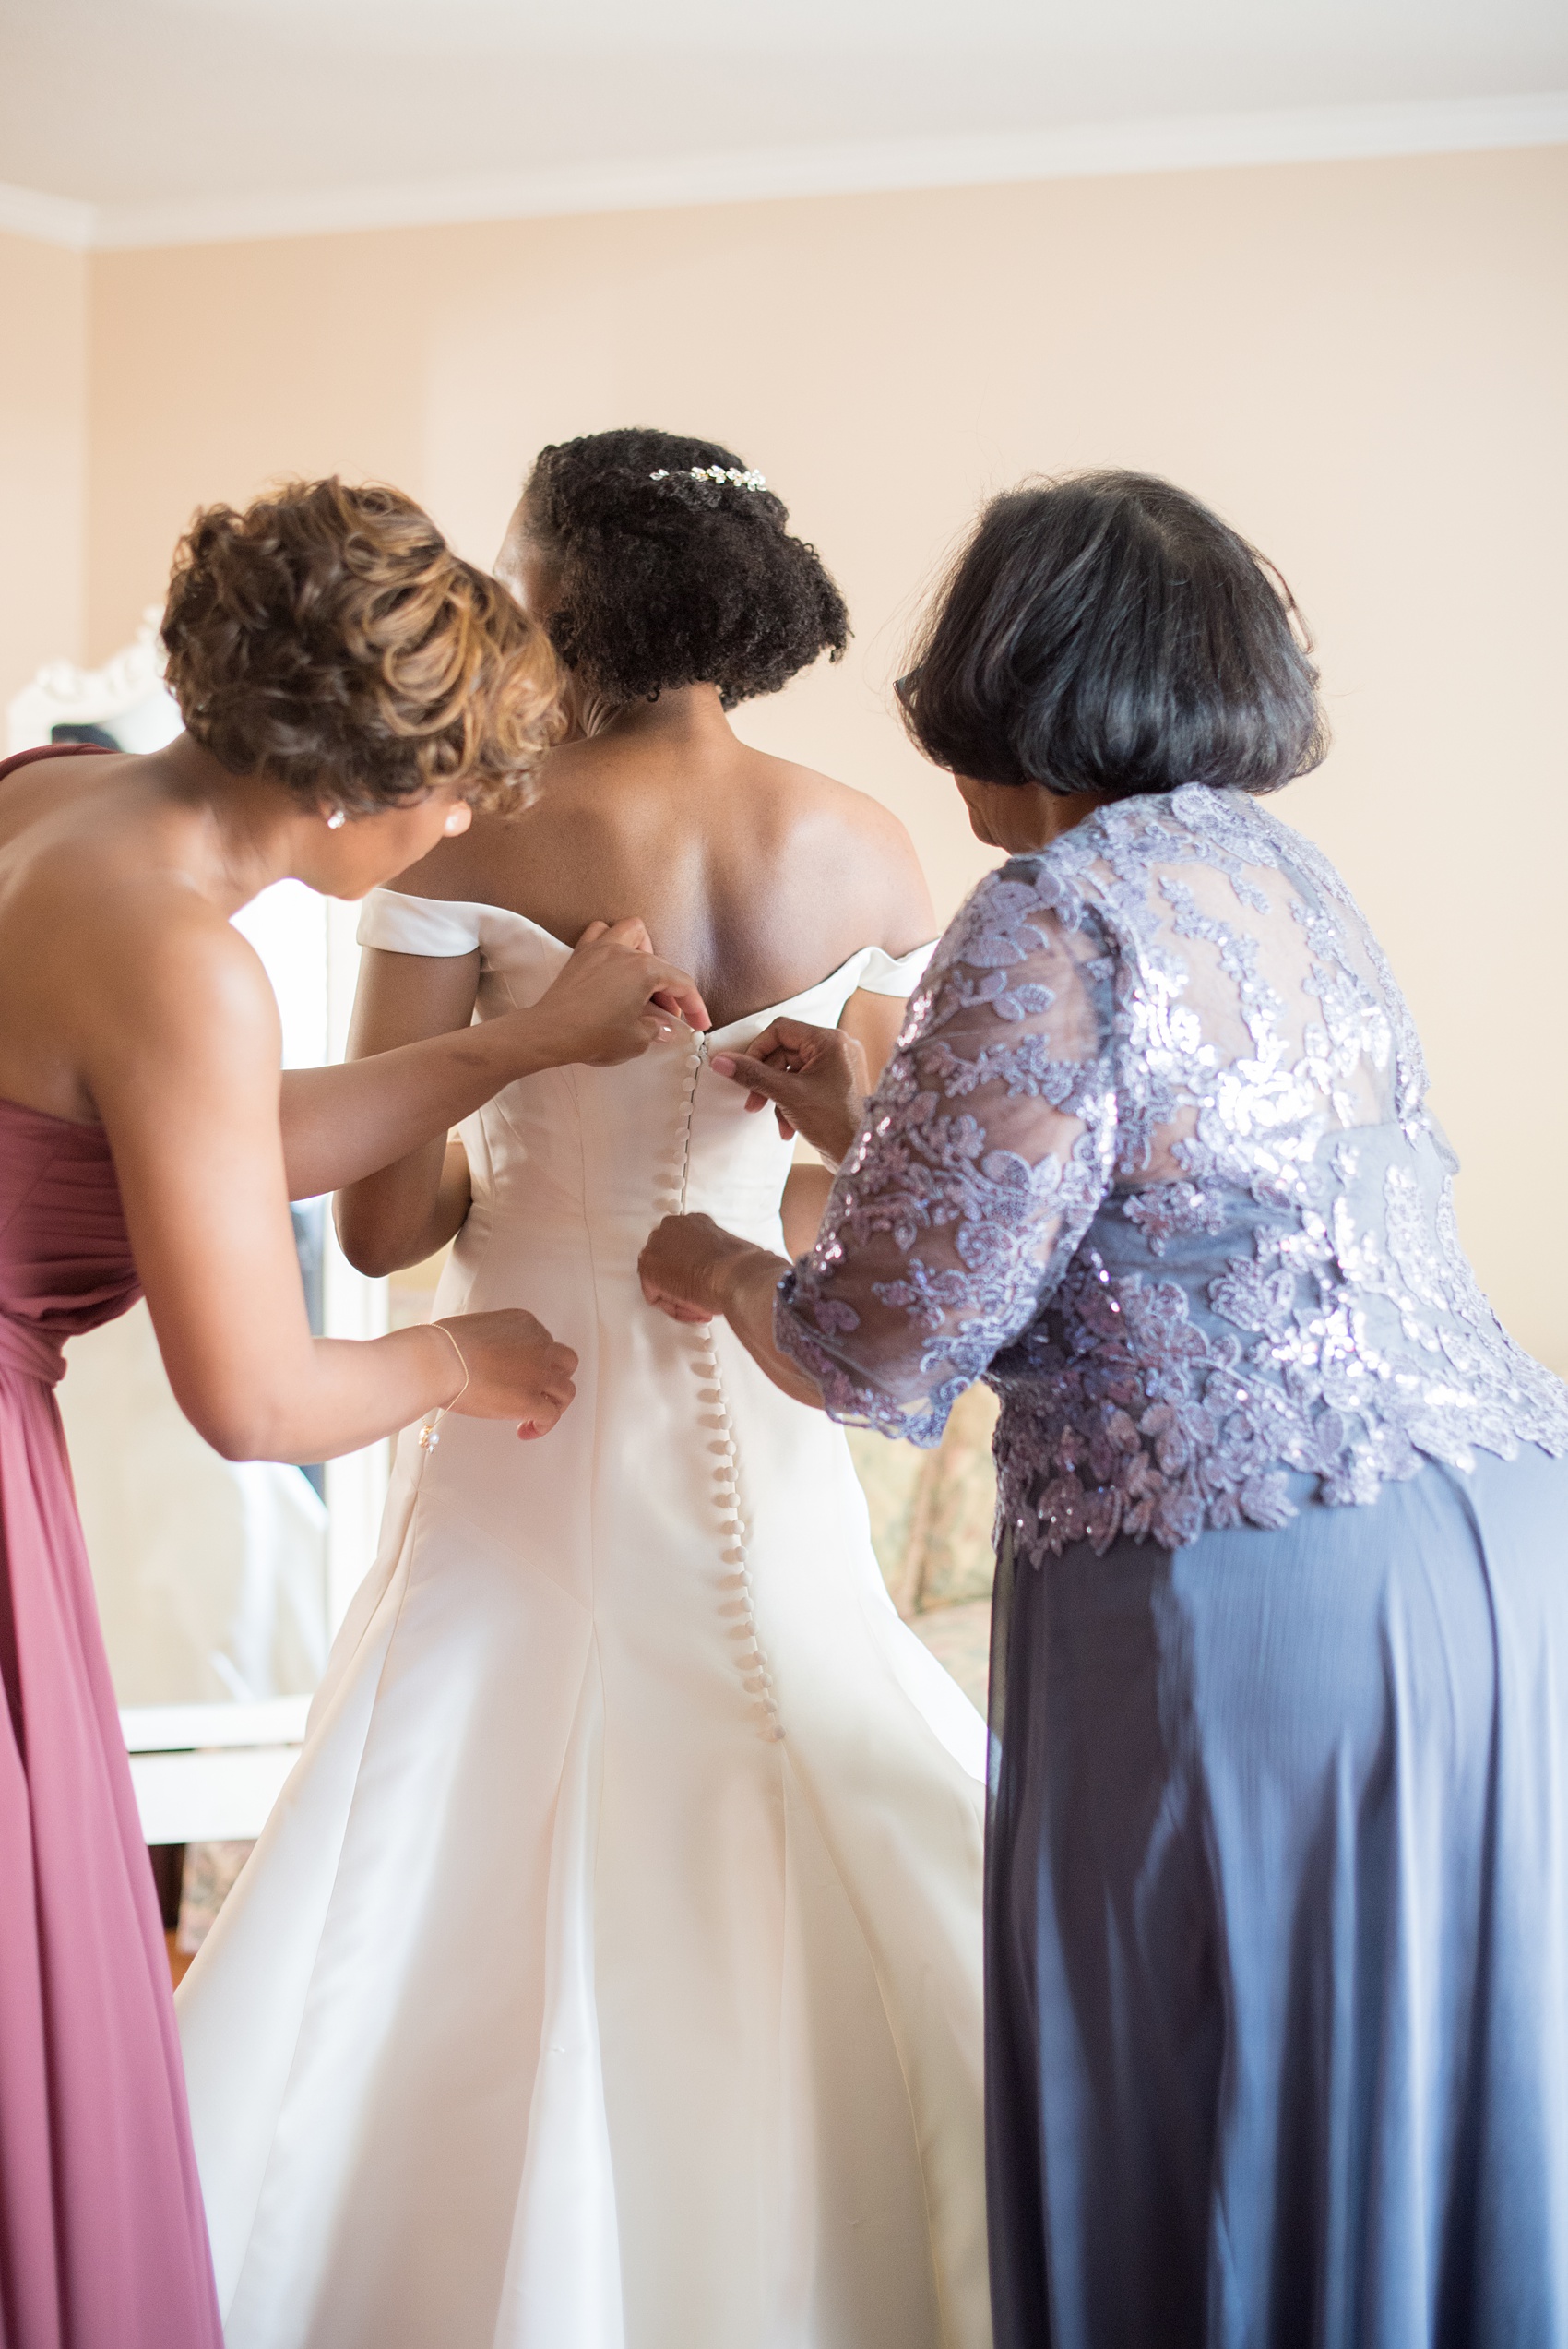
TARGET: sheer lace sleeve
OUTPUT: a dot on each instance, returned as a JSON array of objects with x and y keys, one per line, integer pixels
[{"x": 984, "y": 1152}]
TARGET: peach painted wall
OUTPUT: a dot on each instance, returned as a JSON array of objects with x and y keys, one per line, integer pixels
[
  {"x": 1363, "y": 364},
  {"x": 44, "y": 339}
]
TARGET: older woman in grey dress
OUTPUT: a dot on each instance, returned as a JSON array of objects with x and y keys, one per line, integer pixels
[{"x": 1278, "y": 1908}]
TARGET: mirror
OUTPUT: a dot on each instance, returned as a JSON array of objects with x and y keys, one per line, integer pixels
[{"x": 220, "y": 1583}]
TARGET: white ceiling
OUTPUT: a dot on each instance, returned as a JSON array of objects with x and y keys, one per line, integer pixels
[{"x": 197, "y": 116}]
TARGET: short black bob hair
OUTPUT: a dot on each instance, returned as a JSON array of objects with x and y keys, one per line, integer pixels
[
  {"x": 676, "y": 567},
  {"x": 1106, "y": 633}
]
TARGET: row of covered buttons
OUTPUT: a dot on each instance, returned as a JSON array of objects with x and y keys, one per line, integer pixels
[{"x": 736, "y": 1602}]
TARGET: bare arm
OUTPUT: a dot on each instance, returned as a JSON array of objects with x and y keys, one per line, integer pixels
[
  {"x": 341, "y": 1124},
  {"x": 411, "y": 1204},
  {"x": 873, "y": 1022},
  {"x": 182, "y": 1065},
  {"x": 800, "y": 1210}
]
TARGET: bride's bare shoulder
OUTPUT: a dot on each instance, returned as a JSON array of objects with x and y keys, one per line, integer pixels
[{"x": 857, "y": 845}]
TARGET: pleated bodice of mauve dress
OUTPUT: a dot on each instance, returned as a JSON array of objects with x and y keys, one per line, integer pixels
[{"x": 102, "y": 2244}]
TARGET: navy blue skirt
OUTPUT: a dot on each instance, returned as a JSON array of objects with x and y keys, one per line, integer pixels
[{"x": 1277, "y": 1931}]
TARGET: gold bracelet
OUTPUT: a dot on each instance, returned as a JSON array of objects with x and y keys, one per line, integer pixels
[{"x": 429, "y": 1437}]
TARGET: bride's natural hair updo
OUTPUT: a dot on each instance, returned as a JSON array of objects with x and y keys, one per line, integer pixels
[
  {"x": 675, "y": 566},
  {"x": 329, "y": 637}
]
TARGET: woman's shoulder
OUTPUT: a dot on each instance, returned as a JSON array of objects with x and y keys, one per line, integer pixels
[
  {"x": 1025, "y": 914},
  {"x": 120, "y": 912},
  {"x": 1041, "y": 889},
  {"x": 1116, "y": 866},
  {"x": 463, "y": 869},
  {"x": 857, "y": 846},
  {"x": 146, "y": 977}
]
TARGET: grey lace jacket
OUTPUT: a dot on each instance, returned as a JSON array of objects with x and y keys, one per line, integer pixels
[{"x": 1151, "y": 1157}]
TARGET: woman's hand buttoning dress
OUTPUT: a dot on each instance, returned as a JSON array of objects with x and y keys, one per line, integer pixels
[
  {"x": 1278, "y": 1875},
  {"x": 609, "y": 1976}
]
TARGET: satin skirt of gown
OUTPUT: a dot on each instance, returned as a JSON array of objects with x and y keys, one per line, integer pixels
[
  {"x": 101, "y": 2239},
  {"x": 609, "y": 1973}
]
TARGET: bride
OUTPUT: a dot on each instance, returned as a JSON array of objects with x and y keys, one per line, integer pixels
[{"x": 607, "y": 1977}]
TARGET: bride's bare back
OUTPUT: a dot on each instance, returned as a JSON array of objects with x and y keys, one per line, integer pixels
[{"x": 758, "y": 876}]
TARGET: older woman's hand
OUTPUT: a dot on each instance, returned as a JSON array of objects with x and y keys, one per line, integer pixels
[
  {"x": 694, "y": 1271},
  {"x": 687, "y": 1265},
  {"x": 815, "y": 1077}
]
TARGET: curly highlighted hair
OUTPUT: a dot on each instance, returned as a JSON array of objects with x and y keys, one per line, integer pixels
[
  {"x": 329, "y": 637},
  {"x": 671, "y": 576}
]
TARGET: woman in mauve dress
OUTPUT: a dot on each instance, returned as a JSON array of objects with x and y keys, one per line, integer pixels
[
  {"x": 1277, "y": 1866},
  {"x": 349, "y": 689}
]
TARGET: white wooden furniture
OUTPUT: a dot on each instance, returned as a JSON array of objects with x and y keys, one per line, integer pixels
[{"x": 210, "y": 1773}]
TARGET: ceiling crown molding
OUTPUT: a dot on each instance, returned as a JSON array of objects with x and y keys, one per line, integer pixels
[
  {"x": 1318, "y": 133},
  {"x": 51, "y": 220}
]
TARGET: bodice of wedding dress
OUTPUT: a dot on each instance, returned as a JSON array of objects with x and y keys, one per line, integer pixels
[
  {"x": 616, "y": 1147},
  {"x": 1153, "y": 1157}
]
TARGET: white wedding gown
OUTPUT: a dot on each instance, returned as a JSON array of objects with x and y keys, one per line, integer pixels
[{"x": 609, "y": 1973}]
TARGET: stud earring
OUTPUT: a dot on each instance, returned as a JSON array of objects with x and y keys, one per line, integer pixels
[{"x": 337, "y": 820}]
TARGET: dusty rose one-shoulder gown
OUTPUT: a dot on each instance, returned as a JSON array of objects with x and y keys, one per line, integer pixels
[{"x": 103, "y": 2241}]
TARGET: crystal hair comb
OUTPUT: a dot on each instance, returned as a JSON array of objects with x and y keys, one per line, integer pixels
[{"x": 721, "y": 473}]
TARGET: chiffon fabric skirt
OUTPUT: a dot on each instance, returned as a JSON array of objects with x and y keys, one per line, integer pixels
[
  {"x": 1278, "y": 1930},
  {"x": 103, "y": 2242}
]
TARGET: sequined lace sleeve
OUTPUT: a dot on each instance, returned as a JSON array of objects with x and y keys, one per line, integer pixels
[{"x": 984, "y": 1153}]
